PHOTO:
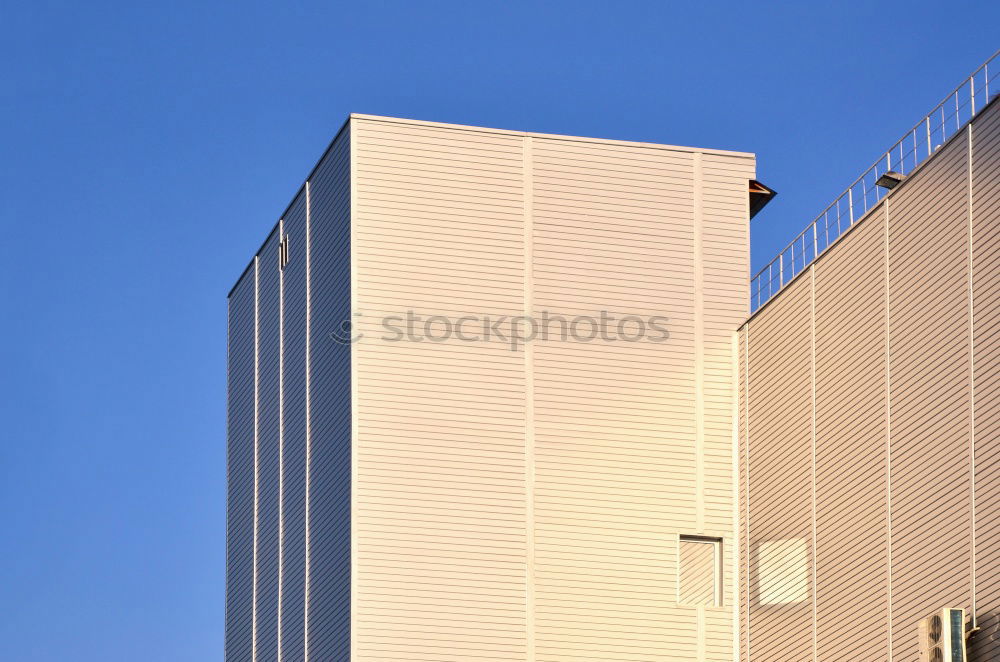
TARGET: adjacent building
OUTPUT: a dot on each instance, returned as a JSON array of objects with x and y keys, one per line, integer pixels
[
  {"x": 505, "y": 396},
  {"x": 870, "y": 425}
]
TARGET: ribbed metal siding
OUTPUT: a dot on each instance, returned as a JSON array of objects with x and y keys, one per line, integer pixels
[
  {"x": 330, "y": 406},
  {"x": 742, "y": 417},
  {"x": 851, "y": 454},
  {"x": 440, "y": 512},
  {"x": 294, "y": 436},
  {"x": 929, "y": 395},
  {"x": 270, "y": 321},
  {"x": 986, "y": 335},
  {"x": 780, "y": 467},
  {"x": 268, "y": 444},
  {"x": 633, "y": 440},
  {"x": 894, "y": 392},
  {"x": 240, "y": 462}
]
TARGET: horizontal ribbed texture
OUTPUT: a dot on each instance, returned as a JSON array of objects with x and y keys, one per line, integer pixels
[
  {"x": 459, "y": 472},
  {"x": 329, "y": 600},
  {"x": 294, "y": 438},
  {"x": 440, "y": 529},
  {"x": 290, "y": 451},
  {"x": 240, "y": 470},
  {"x": 268, "y": 445},
  {"x": 986, "y": 338},
  {"x": 618, "y": 427},
  {"x": 893, "y": 495},
  {"x": 504, "y": 503}
]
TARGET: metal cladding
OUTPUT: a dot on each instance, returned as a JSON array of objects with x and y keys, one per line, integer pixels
[
  {"x": 869, "y": 433},
  {"x": 495, "y": 396},
  {"x": 482, "y": 487}
]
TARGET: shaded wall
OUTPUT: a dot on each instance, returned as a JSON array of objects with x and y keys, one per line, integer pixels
[{"x": 288, "y": 532}]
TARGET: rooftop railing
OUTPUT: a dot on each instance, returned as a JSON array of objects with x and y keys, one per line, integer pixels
[{"x": 916, "y": 145}]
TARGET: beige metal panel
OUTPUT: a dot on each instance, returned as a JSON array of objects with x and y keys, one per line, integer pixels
[
  {"x": 779, "y": 465},
  {"x": 617, "y": 426},
  {"x": 527, "y": 504},
  {"x": 929, "y": 395},
  {"x": 743, "y": 504},
  {"x": 986, "y": 299},
  {"x": 439, "y": 524},
  {"x": 474, "y": 133},
  {"x": 852, "y": 591}
]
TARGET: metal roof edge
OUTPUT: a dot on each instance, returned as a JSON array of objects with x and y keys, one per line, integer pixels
[{"x": 551, "y": 136}]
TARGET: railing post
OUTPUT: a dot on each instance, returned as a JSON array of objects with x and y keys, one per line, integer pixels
[
  {"x": 850, "y": 207},
  {"x": 972, "y": 91},
  {"x": 815, "y": 242},
  {"x": 928, "y": 123}
]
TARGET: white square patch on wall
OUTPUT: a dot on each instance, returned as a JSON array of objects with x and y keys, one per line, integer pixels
[{"x": 783, "y": 571}]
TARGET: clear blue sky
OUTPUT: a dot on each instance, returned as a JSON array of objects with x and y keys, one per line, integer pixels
[{"x": 147, "y": 148}]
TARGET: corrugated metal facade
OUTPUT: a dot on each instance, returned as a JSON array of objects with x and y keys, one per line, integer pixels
[
  {"x": 865, "y": 394},
  {"x": 526, "y": 505},
  {"x": 440, "y": 541},
  {"x": 986, "y": 351},
  {"x": 632, "y": 441},
  {"x": 288, "y": 549},
  {"x": 240, "y": 469},
  {"x": 505, "y": 505},
  {"x": 293, "y": 416},
  {"x": 268, "y": 447},
  {"x": 329, "y": 406}
]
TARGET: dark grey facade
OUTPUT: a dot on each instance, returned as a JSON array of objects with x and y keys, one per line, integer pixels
[{"x": 288, "y": 520}]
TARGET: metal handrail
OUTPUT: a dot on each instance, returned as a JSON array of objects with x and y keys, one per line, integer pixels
[{"x": 944, "y": 120}]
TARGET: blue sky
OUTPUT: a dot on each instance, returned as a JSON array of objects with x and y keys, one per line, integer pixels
[{"x": 149, "y": 147}]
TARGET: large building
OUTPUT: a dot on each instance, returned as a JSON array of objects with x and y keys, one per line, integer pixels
[
  {"x": 870, "y": 424},
  {"x": 460, "y": 495},
  {"x": 499, "y": 396}
]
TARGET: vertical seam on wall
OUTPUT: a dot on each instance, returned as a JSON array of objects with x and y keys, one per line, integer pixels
[
  {"x": 746, "y": 442},
  {"x": 699, "y": 351},
  {"x": 888, "y": 433},
  {"x": 815, "y": 568},
  {"x": 256, "y": 449},
  {"x": 735, "y": 563},
  {"x": 281, "y": 434},
  {"x": 699, "y": 386},
  {"x": 308, "y": 416},
  {"x": 353, "y": 609},
  {"x": 529, "y": 405},
  {"x": 700, "y": 618},
  {"x": 972, "y": 382}
]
